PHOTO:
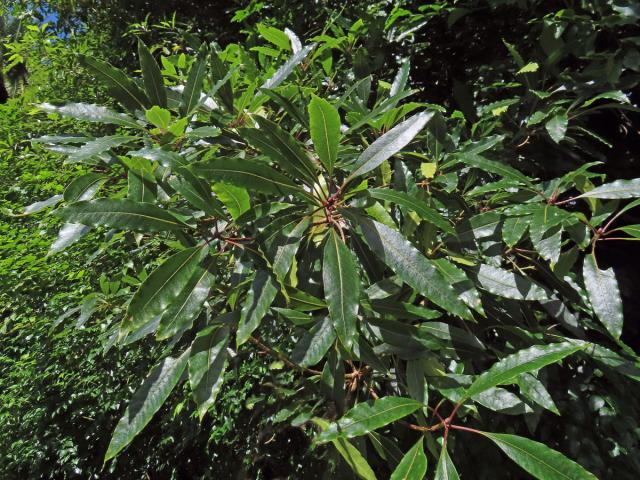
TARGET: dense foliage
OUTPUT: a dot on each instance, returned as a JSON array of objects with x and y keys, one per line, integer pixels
[{"x": 394, "y": 247}]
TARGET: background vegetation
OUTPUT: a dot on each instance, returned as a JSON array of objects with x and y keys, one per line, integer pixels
[{"x": 545, "y": 87}]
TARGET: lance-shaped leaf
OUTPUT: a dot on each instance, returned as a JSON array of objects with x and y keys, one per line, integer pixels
[
  {"x": 410, "y": 202},
  {"x": 152, "y": 76},
  {"x": 161, "y": 288},
  {"x": 354, "y": 459},
  {"x": 341, "y": 287},
  {"x": 84, "y": 187},
  {"x": 529, "y": 359},
  {"x": 220, "y": 77},
  {"x": 247, "y": 174},
  {"x": 193, "y": 89},
  {"x": 557, "y": 126},
  {"x": 68, "y": 234},
  {"x": 286, "y": 248},
  {"x": 98, "y": 146},
  {"x": 492, "y": 166},
  {"x": 285, "y": 70},
  {"x": 400, "y": 80},
  {"x": 411, "y": 266},
  {"x": 509, "y": 284},
  {"x": 534, "y": 390},
  {"x": 604, "y": 295},
  {"x": 539, "y": 460},
  {"x": 147, "y": 401},
  {"x": 324, "y": 125},
  {"x": 119, "y": 85},
  {"x": 389, "y": 144},
  {"x": 186, "y": 307},
  {"x": 369, "y": 416},
  {"x": 90, "y": 113},
  {"x": 207, "y": 363},
  {"x": 236, "y": 199},
  {"x": 261, "y": 294},
  {"x": 282, "y": 148},
  {"x": 446, "y": 469},
  {"x": 197, "y": 192},
  {"x": 413, "y": 465},
  {"x": 123, "y": 214},
  {"x": 314, "y": 344},
  {"x": 293, "y": 111},
  {"x": 617, "y": 189},
  {"x": 39, "y": 206}
]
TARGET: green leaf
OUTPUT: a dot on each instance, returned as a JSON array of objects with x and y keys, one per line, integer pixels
[
  {"x": 285, "y": 70},
  {"x": 315, "y": 343},
  {"x": 119, "y": 85},
  {"x": 557, "y": 126},
  {"x": 68, "y": 234},
  {"x": 633, "y": 230},
  {"x": 341, "y": 287},
  {"x": 261, "y": 294},
  {"x": 193, "y": 88},
  {"x": 282, "y": 148},
  {"x": 122, "y": 214},
  {"x": 287, "y": 248},
  {"x": 446, "y": 469},
  {"x": 539, "y": 460},
  {"x": 509, "y": 284},
  {"x": 197, "y": 192},
  {"x": 84, "y": 187},
  {"x": 528, "y": 68},
  {"x": 207, "y": 363},
  {"x": 527, "y": 360},
  {"x": 247, "y": 174},
  {"x": 275, "y": 36},
  {"x": 413, "y": 465},
  {"x": 410, "y": 202},
  {"x": 492, "y": 166},
  {"x": 604, "y": 295},
  {"x": 220, "y": 77},
  {"x": 324, "y": 125},
  {"x": 617, "y": 189},
  {"x": 390, "y": 143},
  {"x": 534, "y": 390},
  {"x": 152, "y": 76},
  {"x": 147, "y": 401},
  {"x": 236, "y": 199},
  {"x": 160, "y": 289},
  {"x": 369, "y": 416},
  {"x": 400, "y": 80},
  {"x": 98, "y": 146},
  {"x": 159, "y": 117},
  {"x": 91, "y": 113},
  {"x": 411, "y": 266},
  {"x": 354, "y": 459},
  {"x": 186, "y": 307}
]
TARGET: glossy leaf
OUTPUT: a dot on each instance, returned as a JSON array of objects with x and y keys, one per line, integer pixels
[
  {"x": 152, "y": 76},
  {"x": 324, "y": 126},
  {"x": 286, "y": 250},
  {"x": 354, "y": 459},
  {"x": 604, "y": 295},
  {"x": 161, "y": 287},
  {"x": 557, "y": 126},
  {"x": 617, "y": 189},
  {"x": 509, "y": 284},
  {"x": 413, "y": 465},
  {"x": 119, "y": 85},
  {"x": 369, "y": 416},
  {"x": 539, "y": 460},
  {"x": 146, "y": 401},
  {"x": 124, "y": 214},
  {"x": 193, "y": 88},
  {"x": 90, "y": 113},
  {"x": 314, "y": 344},
  {"x": 285, "y": 70},
  {"x": 98, "y": 146},
  {"x": 528, "y": 360},
  {"x": 390, "y": 143},
  {"x": 341, "y": 287},
  {"x": 186, "y": 307},
  {"x": 84, "y": 187},
  {"x": 446, "y": 469},
  {"x": 261, "y": 294},
  {"x": 411, "y": 203},
  {"x": 411, "y": 266},
  {"x": 207, "y": 364}
]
